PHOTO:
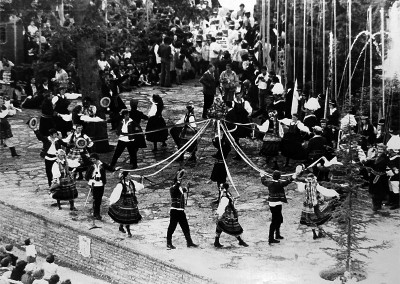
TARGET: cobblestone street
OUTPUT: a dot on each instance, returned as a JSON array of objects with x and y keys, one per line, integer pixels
[{"x": 297, "y": 259}]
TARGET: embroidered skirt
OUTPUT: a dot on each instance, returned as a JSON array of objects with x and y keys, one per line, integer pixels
[
  {"x": 317, "y": 215},
  {"x": 154, "y": 123},
  {"x": 5, "y": 129},
  {"x": 229, "y": 224},
  {"x": 218, "y": 173},
  {"x": 125, "y": 211},
  {"x": 67, "y": 189},
  {"x": 270, "y": 148}
]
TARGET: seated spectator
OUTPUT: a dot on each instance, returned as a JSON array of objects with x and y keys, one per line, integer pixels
[
  {"x": 38, "y": 277},
  {"x": 9, "y": 252},
  {"x": 49, "y": 267},
  {"x": 32, "y": 265},
  {"x": 30, "y": 249},
  {"x": 54, "y": 279},
  {"x": 18, "y": 270},
  {"x": 66, "y": 282},
  {"x": 5, "y": 268}
]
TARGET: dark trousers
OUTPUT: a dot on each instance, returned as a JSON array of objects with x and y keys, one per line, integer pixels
[
  {"x": 98, "y": 192},
  {"x": 165, "y": 78},
  {"x": 121, "y": 145},
  {"x": 208, "y": 101},
  {"x": 49, "y": 165},
  {"x": 178, "y": 216},
  {"x": 277, "y": 220}
]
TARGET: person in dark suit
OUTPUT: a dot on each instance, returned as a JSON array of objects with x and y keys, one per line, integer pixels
[
  {"x": 367, "y": 132},
  {"x": 209, "y": 82},
  {"x": 327, "y": 132},
  {"x": 310, "y": 120},
  {"x": 316, "y": 147},
  {"x": 164, "y": 51}
]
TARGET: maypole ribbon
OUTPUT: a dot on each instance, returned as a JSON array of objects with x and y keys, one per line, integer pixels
[
  {"x": 175, "y": 154},
  {"x": 223, "y": 158}
]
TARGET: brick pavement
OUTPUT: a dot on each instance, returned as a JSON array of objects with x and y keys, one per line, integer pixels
[{"x": 296, "y": 260}]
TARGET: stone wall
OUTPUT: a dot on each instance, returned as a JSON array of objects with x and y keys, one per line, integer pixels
[{"x": 109, "y": 261}]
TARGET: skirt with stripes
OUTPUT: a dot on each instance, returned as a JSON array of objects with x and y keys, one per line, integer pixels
[
  {"x": 317, "y": 215},
  {"x": 125, "y": 211},
  {"x": 67, "y": 189},
  {"x": 229, "y": 224}
]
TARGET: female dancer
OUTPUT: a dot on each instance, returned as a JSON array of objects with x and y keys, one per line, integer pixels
[{"x": 156, "y": 121}]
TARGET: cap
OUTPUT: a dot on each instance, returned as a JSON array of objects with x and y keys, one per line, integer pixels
[
  {"x": 317, "y": 128},
  {"x": 323, "y": 120},
  {"x": 381, "y": 121}
]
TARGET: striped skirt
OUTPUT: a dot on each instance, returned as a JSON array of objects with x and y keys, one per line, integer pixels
[
  {"x": 229, "y": 224},
  {"x": 67, "y": 189},
  {"x": 125, "y": 211},
  {"x": 317, "y": 215}
]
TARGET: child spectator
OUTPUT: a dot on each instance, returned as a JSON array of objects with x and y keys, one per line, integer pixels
[
  {"x": 38, "y": 277},
  {"x": 30, "y": 249},
  {"x": 18, "y": 270},
  {"x": 49, "y": 267}
]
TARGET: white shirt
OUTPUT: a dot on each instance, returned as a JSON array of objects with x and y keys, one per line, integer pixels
[
  {"x": 262, "y": 84},
  {"x": 158, "y": 58},
  {"x": 49, "y": 270},
  {"x": 30, "y": 250},
  {"x": 116, "y": 194},
  {"x": 247, "y": 105},
  {"x": 96, "y": 173},
  {"x": 124, "y": 129},
  {"x": 52, "y": 150},
  {"x": 153, "y": 110},
  {"x": 103, "y": 64},
  {"x": 32, "y": 29},
  {"x": 214, "y": 47},
  {"x": 192, "y": 120}
]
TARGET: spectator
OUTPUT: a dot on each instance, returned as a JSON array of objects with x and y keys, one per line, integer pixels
[
  {"x": 30, "y": 248},
  {"x": 18, "y": 270},
  {"x": 9, "y": 252},
  {"x": 66, "y": 282},
  {"x": 49, "y": 267},
  {"x": 32, "y": 29},
  {"x": 54, "y": 279},
  {"x": 38, "y": 277}
]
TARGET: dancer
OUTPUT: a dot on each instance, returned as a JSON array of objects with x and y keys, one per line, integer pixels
[
  {"x": 276, "y": 197},
  {"x": 182, "y": 134},
  {"x": 126, "y": 139},
  {"x": 77, "y": 154},
  {"x": 227, "y": 217},
  {"x": 318, "y": 205},
  {"x": 393, "y": 173},
  {"x": 219, "y": 173},
  {"x": 96, "y": 177},
  {"x": 209, "y": 83},
  {"x": 156, "y": 121},
  {"x": 177, "y": 212},
  {"x": 51, "y": 145},
  {"x": 7, "y": 110},
  {"x": 272, "y": 138},
  {"x": 123, "y": 203},
  {"x": 378, "y": 179},
  {"x": 47, "y": 119},
  {"x": 63, "y": 186}
]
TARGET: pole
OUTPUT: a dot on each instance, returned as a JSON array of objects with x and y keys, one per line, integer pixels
[
  {"x": 370, "y": 61},
  {"x": 334, "y": 50},
  {"x": 268, "y": 49},
  {"x": 350, "y": 52},
  {"x": 304, "y": 41},
  {"x": 286, "y": 35},
  {"x": 383, "y": 59},
  {"x": 294, "y": 40},
  {"x": 277, "y": 39},
  {"x": 312, "y": 45},
  {"x": 323, "y": 49},
  {"x": 263, "y": 32}
]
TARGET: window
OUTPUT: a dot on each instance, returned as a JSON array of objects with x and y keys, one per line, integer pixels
[{"x": 3, "y": 35}]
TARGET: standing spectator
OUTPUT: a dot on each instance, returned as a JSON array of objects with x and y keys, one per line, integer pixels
[
  {"x": 179, "y": 59},
  {"x": 228, "y": 81},
  {"x": 215, "y": 51},
  {"x": 261, "y": 82},
  {"x": 102, "y": 62},
  {"x": 158, "y": 58},
  {"x": 61, "y": 76},
  {"x": 165, "y": 52},
  {"x": 209, "y": 82},
  {"x": 205, "y": 55},
  {"x": 30, "y": 249},
  {"x": 32, "y": 29},
  {"x": 127, "y": 53},
  {"x": 156, "y": 121}
]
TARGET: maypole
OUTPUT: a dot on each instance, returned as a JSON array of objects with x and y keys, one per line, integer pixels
[
  {"x": 370, "y": 60},
  {"x": 285, "y": 50},
  {"x": 263, "y": 31},
  {"x": 349, "y": 10},
  {"x": 312, "y": 44},
  {"x": 294, "y": 40},
  {"x": 277, "y": 67},
  {"x": 323, "y": 48},
  {"x": 268, "y": 35},
  {"x": 383, "y": 59},
  {"x": 334, "y": 51},
  {"x": 304, "y": 42}
]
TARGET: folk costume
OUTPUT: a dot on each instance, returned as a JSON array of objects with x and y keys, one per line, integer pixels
[
  {"x": 276, "y": 198},
  {"x": 156, "y": 121},
  {"x": 51, "y": 144},
  {"x": 127, "y": 139},
  {"x": 7, "y": 110},
  {"x": 182, "y": 134},
  {"x": 272, "y": 138},
  {"x": 292, "y": 140},
  {"x": 61, "y": 103},
  {"x": 394, "y": 177},
  {"x": 63, "y": 185},
  {"x": 242, "y": 111},
  {"x": 228, "y": 81},
  {"x": 219, "y": 173},
  {"x": 227, "y": 221},
  {"x": 177, "y": 211},
  {"x": 318, "y": 204},
  {"x": 47, "y": 117},
  {"x": 123, "y": 203},
  {"x": 209, "y": 83},
  {"x": 77, "y": 155},
  {"x": 96, "y": 177},
  {"x": 378, "y": 179}
]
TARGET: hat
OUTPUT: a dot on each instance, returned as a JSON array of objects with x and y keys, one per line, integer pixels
[
  {"x": 179, "y": 175},
  {"x": 363, "y": 117},
  {"x": 276, "y": 175},
  {"x": 323, "y": 120},
  {"x": 9, "y": 247},
  {"x": 133, "y": 102},
  {"x": 60, "y": 152},
  {"x": 381, "y": 121},
  {"x": 124, "y": 112},
  {"x": 105, "y": 102},
  {"x": 272, "y": 73},
  {"x": 32, "y": 122},
  {"x": 278, "y": 89}
]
